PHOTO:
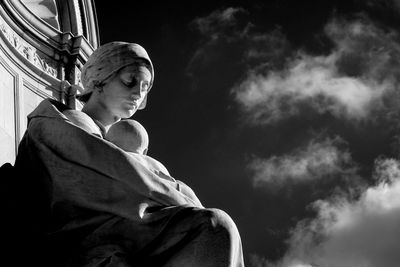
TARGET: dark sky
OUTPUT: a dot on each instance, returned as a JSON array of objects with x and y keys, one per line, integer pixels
[{"x": 282, "y": 113}]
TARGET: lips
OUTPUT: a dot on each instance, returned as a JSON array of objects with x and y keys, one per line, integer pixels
[{"x": 131, "y": 103}]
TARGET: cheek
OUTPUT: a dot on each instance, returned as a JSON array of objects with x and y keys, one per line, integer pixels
[
  {"x": 112, "y": 97},
  {"x": 141, "y": 99},
  {"x": 110, "y": 101}
]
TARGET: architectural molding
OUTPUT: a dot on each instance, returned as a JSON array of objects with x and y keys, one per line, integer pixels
[
  {"x": 55, "y": 51},
  {"x": 17, "y": 98},
  {"x": 41, "y": 61},
  {"x": 27, "y": 51}
]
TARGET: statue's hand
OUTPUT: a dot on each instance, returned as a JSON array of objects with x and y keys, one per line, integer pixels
[{"x": 183, "y": 188}]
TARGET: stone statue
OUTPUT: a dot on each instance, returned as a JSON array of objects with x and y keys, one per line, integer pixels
[{"x": 98, "y": 205}]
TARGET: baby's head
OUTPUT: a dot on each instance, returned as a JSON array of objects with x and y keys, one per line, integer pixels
[{"x": 129, "y": 135}]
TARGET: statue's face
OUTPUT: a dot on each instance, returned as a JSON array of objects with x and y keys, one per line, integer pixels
[{"x": 124, "y": 93}]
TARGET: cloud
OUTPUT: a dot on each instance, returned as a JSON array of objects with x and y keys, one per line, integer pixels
[
  {"x": 362, "y": 232},
  {"x": 317, "y": 160},
  {"x": 256, "y": 260},
  {"x": 227, "y": 37},
  {"x": 349, "y": 82},
  {"x": 215, "y": 23},
  {"x": 396, "y": 4},
  {"x": 388, "y": 6}
]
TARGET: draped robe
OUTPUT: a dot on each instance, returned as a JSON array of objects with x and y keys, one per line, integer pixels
[{"x": 96, "y": 205}]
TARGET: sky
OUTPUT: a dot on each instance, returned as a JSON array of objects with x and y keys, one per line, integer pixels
[{"x": 285, "y": 114}]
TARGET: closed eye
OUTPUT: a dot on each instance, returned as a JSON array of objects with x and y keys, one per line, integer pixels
[{"x": 130, "y": 83}]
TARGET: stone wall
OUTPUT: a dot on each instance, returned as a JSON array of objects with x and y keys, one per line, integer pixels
[{"x": 40, "y": 59}]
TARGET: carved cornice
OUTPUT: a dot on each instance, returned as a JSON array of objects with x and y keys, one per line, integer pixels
[
  {"x": 52, "y": 50},
  {"x": 48, "y": 55},
  {"x": 26, "y": 50}
]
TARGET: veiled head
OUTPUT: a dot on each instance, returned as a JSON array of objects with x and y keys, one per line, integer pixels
[{"x": 107, "y": 60}]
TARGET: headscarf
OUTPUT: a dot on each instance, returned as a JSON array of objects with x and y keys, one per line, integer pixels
[{"x": 110, "y": 58}]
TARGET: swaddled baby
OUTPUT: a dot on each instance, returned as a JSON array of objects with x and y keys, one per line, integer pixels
[{"x": 132, "y": 137}]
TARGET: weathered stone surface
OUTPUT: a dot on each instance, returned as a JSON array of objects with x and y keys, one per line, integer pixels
[
  {"x": 42, "y": 49},
  {"x": 7, "y": 117},
  {"x": 44, "y": 9}
]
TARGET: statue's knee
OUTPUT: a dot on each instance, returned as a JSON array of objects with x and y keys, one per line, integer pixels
[{"x": 219, "y": 221}]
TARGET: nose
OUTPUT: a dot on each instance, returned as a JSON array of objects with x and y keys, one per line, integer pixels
[{"x": 139, "y": 90}]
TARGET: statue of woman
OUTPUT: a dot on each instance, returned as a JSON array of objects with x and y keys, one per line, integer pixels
[{"x": 98, "y": 206}]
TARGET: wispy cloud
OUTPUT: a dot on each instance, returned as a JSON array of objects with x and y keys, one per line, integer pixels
[
  {"x": 396, "y": 4},
  {"x": 229, "y": 34},
  {"x": 317, "y": 160},
  {"x": 349, "y": 82},
  {"x": 357, "y": 233},
  {"x": 356, "y": 80},
  {"x": 217, "y": 22},
  {"x": 386, "y": 5},
  {"x": 256, "y": 260}
]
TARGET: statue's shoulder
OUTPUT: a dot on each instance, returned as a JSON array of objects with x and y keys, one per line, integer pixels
[
  {"x": 50, "y": 108},
  {"x": 82, "y": 120}
]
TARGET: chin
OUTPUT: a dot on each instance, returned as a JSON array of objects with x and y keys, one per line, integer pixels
[{"x": 128, "y": 114}]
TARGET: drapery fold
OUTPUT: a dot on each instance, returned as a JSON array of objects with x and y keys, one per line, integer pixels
[
  {"x": 82, "y": 174},
  {"x": 93, "y": 204}
]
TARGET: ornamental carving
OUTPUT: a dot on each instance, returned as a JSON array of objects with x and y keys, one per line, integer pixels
[{"x": 27, "y": 51}]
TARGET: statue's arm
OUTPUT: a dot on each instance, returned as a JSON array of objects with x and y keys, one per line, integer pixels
[
  {"x": 162, "y": 171},
  {"x": 183, "y": 188},
  {"x": 75, "y": 145}
]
